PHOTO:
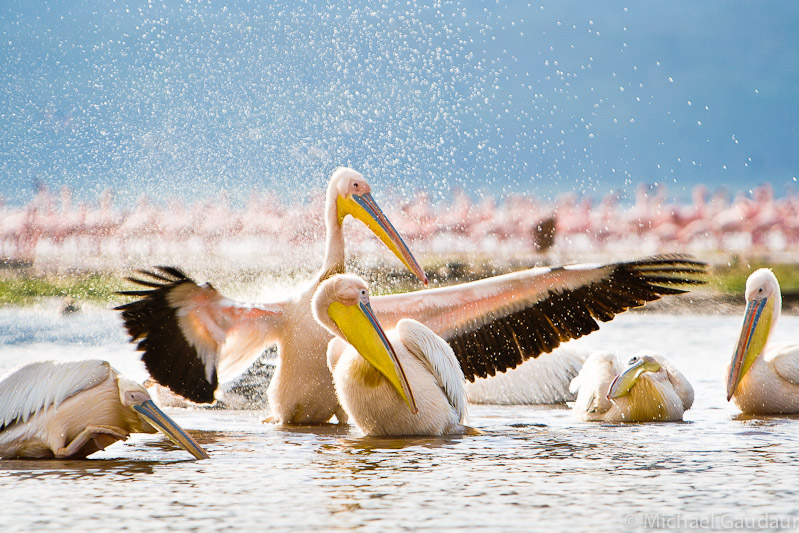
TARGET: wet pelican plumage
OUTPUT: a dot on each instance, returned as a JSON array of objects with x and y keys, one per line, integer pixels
[
  {"x": 763, "y": 379},
  {"x": 193, "y": 337},
  {"x": 648, "y": 389},
  {"x": 73, "y": 409},
  {"x": 404, "y": 382}
]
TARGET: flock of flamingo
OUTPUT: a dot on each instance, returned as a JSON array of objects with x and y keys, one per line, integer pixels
[{"x": 57, "y": 227}]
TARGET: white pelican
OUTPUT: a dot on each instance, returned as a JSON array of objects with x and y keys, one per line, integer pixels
[
  {"x": 760, "y": 381},
  {"x": 73, "y": 409},
  {"x": 193, "y": 337},
  {"x": 406, "y": 382},
  {"x": 649, "y": 389}
]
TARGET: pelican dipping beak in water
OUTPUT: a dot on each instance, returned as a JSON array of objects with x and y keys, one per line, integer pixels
[
  {"x": 649, "y": 389},
  {"x": 73, "y": 409},
  {"x": 193, "y": 337},
  {"x": 404, "y": 382},
  {"x": 759, "y": 381}
]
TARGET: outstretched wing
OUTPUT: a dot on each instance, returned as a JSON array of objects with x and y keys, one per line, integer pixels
[
  {"x": 35, "y": 386},
  {"x": 494, "y": 324},
  {"x": 437, "y": 355},
  {"x": 191, "y": 335}
]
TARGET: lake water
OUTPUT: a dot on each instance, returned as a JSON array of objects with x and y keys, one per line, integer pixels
[{"x": 534, "y": 468}]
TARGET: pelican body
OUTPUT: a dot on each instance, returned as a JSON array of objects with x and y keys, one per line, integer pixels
[
  {"x": 404, "y": 382},
  {"x": 65, "y": 410},
  {"x": 193, "y": 337},
  {"x": 763, "y": 379},
  {"x": 648, "y": 389}
]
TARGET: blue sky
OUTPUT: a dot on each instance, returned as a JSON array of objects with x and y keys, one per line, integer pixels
[{"x": 192, "y": 99}]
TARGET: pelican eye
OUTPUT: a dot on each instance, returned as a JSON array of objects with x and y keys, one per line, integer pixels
[{"x": 633, "y": 360}]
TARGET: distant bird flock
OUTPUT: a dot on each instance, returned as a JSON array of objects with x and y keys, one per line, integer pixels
[{"x": 54, "y": 227}]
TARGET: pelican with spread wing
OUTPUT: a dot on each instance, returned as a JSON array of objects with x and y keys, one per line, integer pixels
[
  {"x": 762, "y": 381},
  {"x": 404, "y": 382},
  {"x": 193, "y": 337},
  {"x": 426, "y": 374},
  {"x": 73, "y": 409}
]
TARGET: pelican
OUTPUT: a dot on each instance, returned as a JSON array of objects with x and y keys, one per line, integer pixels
[
  {"x": 763, "y": 381},
  {"x": 404, "y": 382},
  {"x": 73, "y": 409},
  {"x": 193, "y": 337},
  {"x": 649, "y": 389}
]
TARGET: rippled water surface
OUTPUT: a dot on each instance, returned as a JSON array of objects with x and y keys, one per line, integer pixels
[{"x": 534, "y": 468}]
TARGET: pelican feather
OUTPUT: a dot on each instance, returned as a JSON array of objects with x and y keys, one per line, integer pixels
[
  {"x": 31, "y": 388},
  {"x": 439, "y": 359}
]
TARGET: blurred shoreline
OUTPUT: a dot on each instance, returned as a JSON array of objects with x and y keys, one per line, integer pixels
[{"x": 26, "y": 283}]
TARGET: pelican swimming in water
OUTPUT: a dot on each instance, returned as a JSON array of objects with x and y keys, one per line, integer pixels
[
  {"x": 648, "y": 389},
  {"x": 762, "y": 381},
  {"x": 404, "y": 382},
  {"x": 193, "y": 337},
  {"x": 73, "y": 409}
]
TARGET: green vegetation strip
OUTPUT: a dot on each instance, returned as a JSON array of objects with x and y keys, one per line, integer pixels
[
  {"x": 731, "y": 279},
  {"x": 24, "y": 290},
  {"x": 20, "y": 288}
]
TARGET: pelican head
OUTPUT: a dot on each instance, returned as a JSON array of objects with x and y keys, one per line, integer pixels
[
  {"x": 136, "y": 397},
  {"x": 341, "y": 304},
  {"x": 353, "y": 196},
  {"x": 763, "y": 305},
  {"x": 636, "y": 366}
]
